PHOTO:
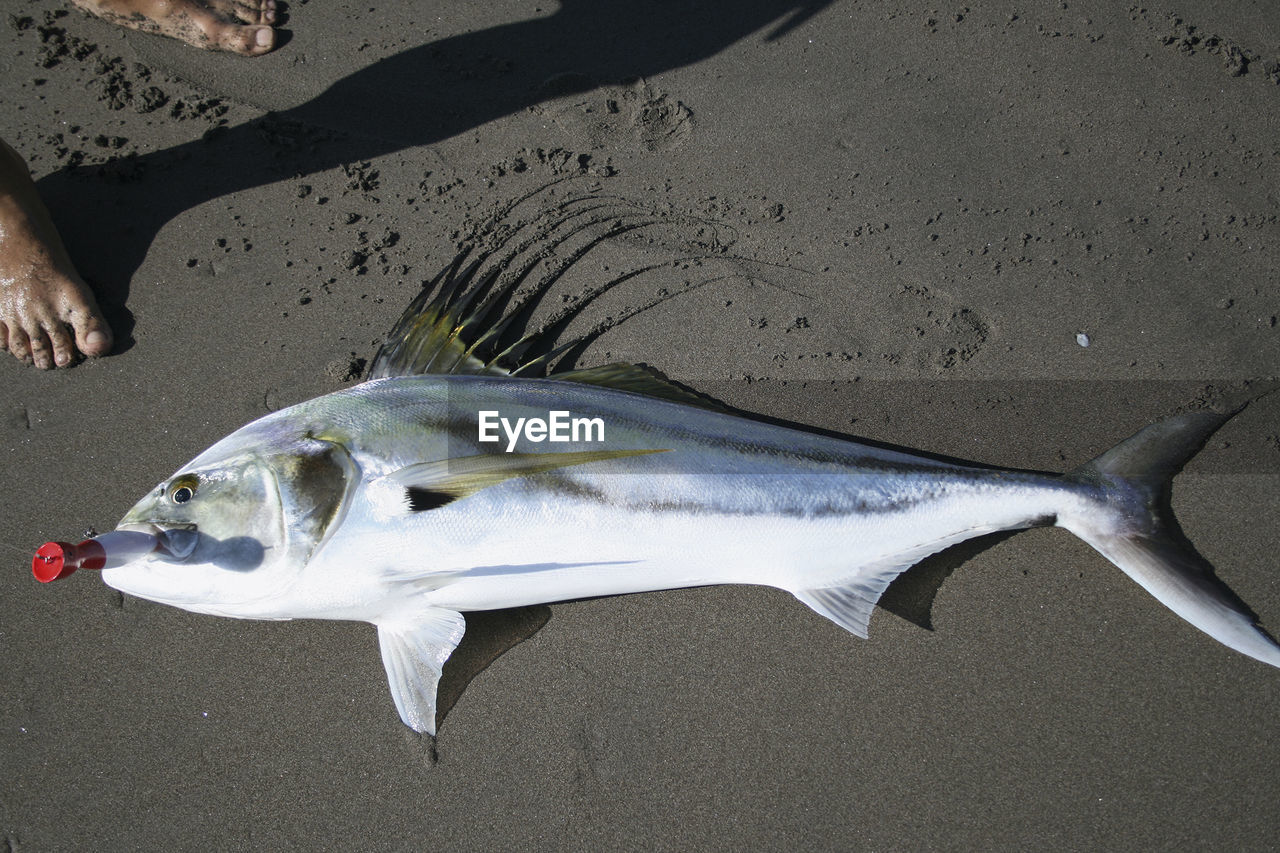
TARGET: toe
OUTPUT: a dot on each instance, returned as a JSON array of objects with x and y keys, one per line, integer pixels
[
  {"x": 93, "y": 338},
  {"x": 245, "y": 13},
  {"x": 254, "y": 11},
  {"x": 41, "y": 353},
  {"x": 249, "y": 41},
  {"x": 80, "y": 317},
  {"x": 264, "y": 39},
  {"x": 18, "y": 345},
  {"x": 41, "y": 350},
  {"x": 62, "y": 347}
]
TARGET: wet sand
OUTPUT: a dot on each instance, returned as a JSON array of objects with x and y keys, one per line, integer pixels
[{"x": 925, "y": 214}]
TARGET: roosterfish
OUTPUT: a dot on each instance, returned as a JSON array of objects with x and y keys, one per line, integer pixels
[{"x": 447, "y": 483}]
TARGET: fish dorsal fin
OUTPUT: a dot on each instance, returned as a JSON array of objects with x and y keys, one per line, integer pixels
[
  {"x": 638, "y": 380},
  {"x": 414, "y": 651},
  {"x": 435, "y": 334},
  {"x": 430, "y": 485},
  {"x": 459, "y": 324}
]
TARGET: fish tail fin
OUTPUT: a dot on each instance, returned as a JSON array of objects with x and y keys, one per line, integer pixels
[{"x": 1131, "y": 524}]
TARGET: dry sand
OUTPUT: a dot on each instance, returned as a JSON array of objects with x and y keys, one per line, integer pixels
[{"x": 931, "y": 205}]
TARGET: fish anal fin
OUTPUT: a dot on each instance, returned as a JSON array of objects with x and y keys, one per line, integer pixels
[
  {"x": 639, "y": 380},
  {"x": 849, "y": 605},
  {"x": 414, "y": 650}
]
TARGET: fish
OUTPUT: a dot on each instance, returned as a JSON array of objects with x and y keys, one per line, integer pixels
[{"x": 458, "y": 478}]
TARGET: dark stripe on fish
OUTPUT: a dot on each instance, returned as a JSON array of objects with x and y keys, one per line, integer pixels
[{"x": 826, "y": 509}]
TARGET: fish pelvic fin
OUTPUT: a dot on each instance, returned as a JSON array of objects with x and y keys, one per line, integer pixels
[
  {"x": 414, "y": 650},
  {"x": 1132, "y": 525}
]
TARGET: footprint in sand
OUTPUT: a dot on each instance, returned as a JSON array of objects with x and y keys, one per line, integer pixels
[
  {"x": 948, "y": 334},
  {"x": 631, "y": 115}
]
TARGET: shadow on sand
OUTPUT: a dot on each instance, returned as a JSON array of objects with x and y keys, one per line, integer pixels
[{"x": 417, "y": 97}]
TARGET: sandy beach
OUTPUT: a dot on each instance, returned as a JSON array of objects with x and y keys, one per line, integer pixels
[{"x": 1008, "y": 232}]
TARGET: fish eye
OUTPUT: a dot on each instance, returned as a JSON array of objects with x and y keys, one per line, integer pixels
[{"x": 183, "y": 490}]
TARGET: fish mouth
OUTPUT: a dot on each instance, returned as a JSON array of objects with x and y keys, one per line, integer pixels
[
  {"x": 174, "y": 541},
  {"x": 155, "y": 576}
]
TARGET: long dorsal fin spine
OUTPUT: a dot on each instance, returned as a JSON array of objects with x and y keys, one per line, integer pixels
[{"x": 459, "y": 323}]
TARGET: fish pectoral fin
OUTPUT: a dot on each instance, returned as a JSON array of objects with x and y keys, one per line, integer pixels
[
  {"x": 849, "y": 605},
  {"x": 431, "y": 485},
  {"x": 413, "y": 652}
]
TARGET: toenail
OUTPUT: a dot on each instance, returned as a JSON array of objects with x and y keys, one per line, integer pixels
[
  {"x": 263, "y": 38},
  {"x": 95, "y": 339}
]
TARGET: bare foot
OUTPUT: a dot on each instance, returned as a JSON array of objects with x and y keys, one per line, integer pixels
[
  {"x": 238, "y": 26},
  {"x": 47, "y": 312}
]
